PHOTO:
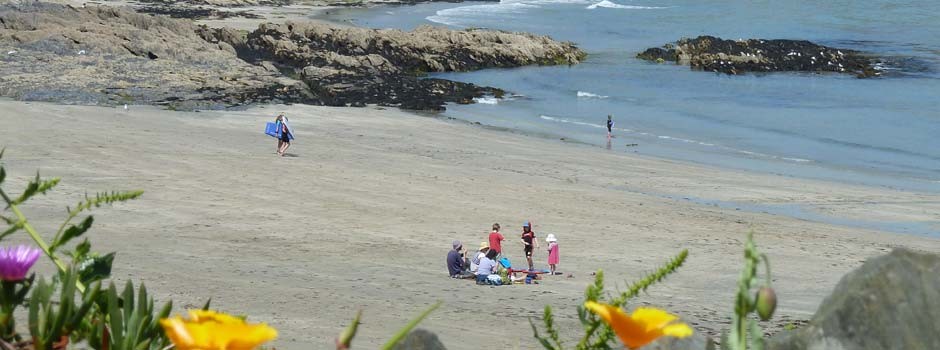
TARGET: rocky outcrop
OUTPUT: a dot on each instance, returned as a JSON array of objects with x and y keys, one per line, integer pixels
[
  {"x": 354, "y": 66},
  {"x": 106, "y": 55},
  {"x": 890, "y": 302},
  {"x": 757, "y": 55}
]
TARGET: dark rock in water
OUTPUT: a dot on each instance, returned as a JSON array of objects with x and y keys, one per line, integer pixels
[
  {"x": 890, "y": 302},
  {"x": 757, "y": 55},
  {"x": 420, "y": 339}
]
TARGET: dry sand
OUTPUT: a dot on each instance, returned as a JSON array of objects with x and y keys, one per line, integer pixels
[{"x": 362, "y": 214}]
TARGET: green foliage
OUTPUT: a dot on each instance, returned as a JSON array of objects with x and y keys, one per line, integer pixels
[
  {"x": 745, "y": 304},
  {"x": 53, "y": 322},
  {"x": 554, "y": 339},
  {"x": 597, "y": 334},
  {"x": 12, "y": 294},
  {"x": 128, "y": 324},
  {"x": 91, "y": 267},
  {"x": 68, "y": 232},
  {"x": 34, "y": 187}
]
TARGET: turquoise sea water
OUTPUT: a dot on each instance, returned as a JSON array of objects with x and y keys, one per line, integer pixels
[{"x": 882, "y": 132}]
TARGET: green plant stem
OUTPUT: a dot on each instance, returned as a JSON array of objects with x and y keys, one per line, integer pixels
[
  {"x": 763, "y": 257},
  {"x": 38, "y": 239}
]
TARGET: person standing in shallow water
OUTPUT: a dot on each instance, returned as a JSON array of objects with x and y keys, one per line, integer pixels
[
  {"x": 610, "y": 125},
  {"x": 286, "y": 134}
]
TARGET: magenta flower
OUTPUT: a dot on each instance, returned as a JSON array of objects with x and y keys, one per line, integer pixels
[{"x": 16, "y": 261}]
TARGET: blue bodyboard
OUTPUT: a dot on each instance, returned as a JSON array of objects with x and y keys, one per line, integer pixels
[{"x": 272, "y": 129}]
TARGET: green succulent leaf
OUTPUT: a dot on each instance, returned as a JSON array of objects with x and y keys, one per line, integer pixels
[
  {"x": 72, "y": 232},
  {"x": 95, "y": 268}
]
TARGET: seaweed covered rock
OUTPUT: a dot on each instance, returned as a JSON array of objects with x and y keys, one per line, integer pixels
[
  {"x": 757, "y": 55},
  {"x": 890, "y": 302}
]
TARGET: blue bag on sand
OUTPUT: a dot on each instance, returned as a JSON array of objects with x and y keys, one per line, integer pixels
[{"x": 271, "y": 129}]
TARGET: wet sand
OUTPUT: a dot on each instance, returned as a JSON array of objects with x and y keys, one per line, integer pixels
[{"x": 363, "y": 211}]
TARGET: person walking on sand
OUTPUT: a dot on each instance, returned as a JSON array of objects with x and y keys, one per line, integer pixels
[
  {"x": 610, "y": 125},
  {"x": 285, "y": 134},
  {"x": 528, "y": 239},
  {"x": 552, "y": 252},
  {"x": 496, "y": 239}
]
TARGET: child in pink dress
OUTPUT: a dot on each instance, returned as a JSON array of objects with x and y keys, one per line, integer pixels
[{"x": 552, "y": 252}]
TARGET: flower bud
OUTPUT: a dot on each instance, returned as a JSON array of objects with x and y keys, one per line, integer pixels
[
  {"x": 766, "y": 301},
  {"x": 345, "y": 338}
]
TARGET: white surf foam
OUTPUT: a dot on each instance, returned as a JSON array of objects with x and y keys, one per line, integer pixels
[
  {"x": 486, "y": 100},
  {"x": 612, "y": 5},
  {"x": 585, "y": 94},
  {"x": 467, "y": 15}
]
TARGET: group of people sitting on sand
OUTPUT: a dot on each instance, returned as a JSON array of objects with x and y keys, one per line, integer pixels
[{"x": 484, "y": 264}]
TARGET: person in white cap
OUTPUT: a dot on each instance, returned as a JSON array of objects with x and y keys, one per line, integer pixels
[{"x": 552, "y": 252}]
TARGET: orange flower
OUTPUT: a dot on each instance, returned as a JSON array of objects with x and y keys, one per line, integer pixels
[
  {"x": 208, "y": 330},
  {"x": 642, "y": 327}
]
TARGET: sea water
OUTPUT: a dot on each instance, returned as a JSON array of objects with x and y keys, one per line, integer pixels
[{"x": 883, "y": 131}]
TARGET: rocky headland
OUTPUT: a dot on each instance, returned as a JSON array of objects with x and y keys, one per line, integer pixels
[
  {"x": 345, "y": 66},
  {"x": 709, "y": 53},
  {"x": 112, "y": 55}
]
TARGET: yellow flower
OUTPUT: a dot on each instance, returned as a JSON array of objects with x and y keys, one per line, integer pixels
[
  {"x": 642, "y": 327},
  {"x": 208, "y": 330}
]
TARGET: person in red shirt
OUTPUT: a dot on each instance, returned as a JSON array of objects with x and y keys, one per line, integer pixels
[{"x": 496, "y": 239}]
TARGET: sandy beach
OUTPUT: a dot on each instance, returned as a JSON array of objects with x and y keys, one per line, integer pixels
[{"x": 362, "y": 212}]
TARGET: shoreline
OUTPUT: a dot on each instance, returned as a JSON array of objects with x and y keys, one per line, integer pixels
[{"x": 378, "y": 194}]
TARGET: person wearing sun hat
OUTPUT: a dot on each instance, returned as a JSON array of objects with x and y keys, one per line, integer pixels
[
  {"x": 552, "y": 251},
  {"x": 528, "y": 240},
  {"x": 475, "y": 261}
]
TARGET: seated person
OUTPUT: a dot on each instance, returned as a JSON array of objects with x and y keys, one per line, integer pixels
[
  {"x": 455, "y": 262},
  {"x": 487, "y": 267},
  {"x": 479, "y": 255}
]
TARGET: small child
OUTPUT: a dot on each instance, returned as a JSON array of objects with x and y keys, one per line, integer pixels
[{"x": 552, "y": 252}]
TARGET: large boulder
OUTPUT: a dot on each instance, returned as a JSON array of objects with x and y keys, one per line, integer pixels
[{"x": 890, "y": 302}]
